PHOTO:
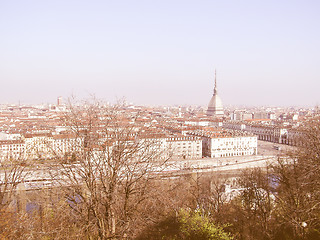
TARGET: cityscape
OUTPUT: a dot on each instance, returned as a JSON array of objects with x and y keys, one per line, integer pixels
[
  {"x": 189, "y": 132},
  {"x": 192, "y": 120},
  {"x": 167, "y": 141},
  {"x": 22, "y": 126}
]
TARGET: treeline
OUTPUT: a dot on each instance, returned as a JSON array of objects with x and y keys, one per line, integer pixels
[{"x": 280, "y": 203}]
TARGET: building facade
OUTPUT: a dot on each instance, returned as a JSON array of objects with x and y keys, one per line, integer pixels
[{"x": 214, "y": 147}]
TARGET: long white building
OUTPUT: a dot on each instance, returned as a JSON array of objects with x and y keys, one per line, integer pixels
[
  {"x": 227, "y": 143},
  {"x": 227, "y": 146}
]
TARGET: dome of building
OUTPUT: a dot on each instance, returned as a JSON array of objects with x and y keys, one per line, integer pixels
[{"x": 215, "y": 107}]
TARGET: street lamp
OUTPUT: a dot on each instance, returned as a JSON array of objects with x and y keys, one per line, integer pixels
[{"x": 304, "y": 225}]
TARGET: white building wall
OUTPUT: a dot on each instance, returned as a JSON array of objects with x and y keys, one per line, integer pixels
[
  {"x": 230, "y": 146},
  {"x": 185, "y": 147},
  {"x": 14, "y": 150}
]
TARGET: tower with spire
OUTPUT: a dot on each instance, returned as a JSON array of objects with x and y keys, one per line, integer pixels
[{"x": 215, "y": 107}]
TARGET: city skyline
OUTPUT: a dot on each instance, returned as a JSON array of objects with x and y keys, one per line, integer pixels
[{"x": 161, "y": 53}]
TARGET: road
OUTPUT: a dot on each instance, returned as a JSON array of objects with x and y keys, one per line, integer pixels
[
  {"x": 40, "y": 177},
  {"x": 269, "y": 148}
]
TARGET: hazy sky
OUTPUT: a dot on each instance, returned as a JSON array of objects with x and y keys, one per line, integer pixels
[{"x": 161, "y": 52}]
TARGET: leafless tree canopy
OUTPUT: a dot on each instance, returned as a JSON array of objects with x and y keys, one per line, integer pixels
[{"x": 109, "y": 173}]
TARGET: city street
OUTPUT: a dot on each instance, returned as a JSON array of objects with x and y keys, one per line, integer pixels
[{"x": 272, "y": 149}]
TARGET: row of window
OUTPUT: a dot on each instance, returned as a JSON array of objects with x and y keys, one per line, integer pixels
[{"x": 232, "y": 154}]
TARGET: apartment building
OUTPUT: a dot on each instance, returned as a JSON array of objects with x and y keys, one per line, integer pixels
[
  {"x": 184, "y": 147},
  {"x": 12, "y": 149},
  {"x": 222, "y": 143},
  {"x": 228, "y": 145}
]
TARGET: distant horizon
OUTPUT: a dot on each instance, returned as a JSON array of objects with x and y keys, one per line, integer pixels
[{"x": 241, "y": 106}]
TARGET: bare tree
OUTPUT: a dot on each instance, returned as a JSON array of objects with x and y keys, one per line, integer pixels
[
  {"x": 12, "y": 173},
  {"x": 298, "y": 191},
  {"x": 112, "y": 170},
  {"x": 257, "y": 202}
]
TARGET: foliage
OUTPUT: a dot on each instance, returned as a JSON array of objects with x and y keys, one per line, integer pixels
[
  {"x": 188, "y": 225},
  {"x": 298, "y": 196},
  {"x": 106, "y": 191}
]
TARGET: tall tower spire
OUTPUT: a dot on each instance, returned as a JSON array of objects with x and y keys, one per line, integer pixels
[
  {"x": 215, "y": 107},
  {"x": 215, "y": 90}
]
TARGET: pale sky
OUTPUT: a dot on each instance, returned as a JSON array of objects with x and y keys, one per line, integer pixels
[{"x": 161, "y": 52}]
